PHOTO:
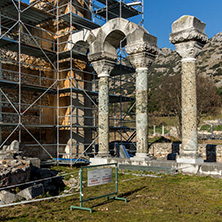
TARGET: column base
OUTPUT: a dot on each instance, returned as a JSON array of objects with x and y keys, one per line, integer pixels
[
  {"x": 189, "y": 158},
  {"x": 98, "y": 161},
  {"x": 103, "y": 155},
  {"x": 143, "y": 157}
]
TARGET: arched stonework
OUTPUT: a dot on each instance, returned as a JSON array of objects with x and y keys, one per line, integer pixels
[{"x": 141, "y": 48}]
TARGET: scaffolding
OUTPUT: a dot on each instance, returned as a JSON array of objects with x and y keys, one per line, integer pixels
[{"x": 48, "y": 89}]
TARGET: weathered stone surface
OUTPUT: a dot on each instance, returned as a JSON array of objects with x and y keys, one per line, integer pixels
[
  {"x": 32, "y": 192},
  {"x": 14, "y": 173},
  {"x": 8, "y": 197},
  {"x": 103, "y": 67},
  {"x": 141, "y": 47},
  {"x": 142, "y": 110},
  {"x": 189, "y": 37},
  {"x": 72, "y": 183},
  {"x": 142, "y": 100},
  {"x": 189, "y": 107},
  {"x": 188, "y": 28},
  {"x": 14, "y": 146},
  {"x": 103, "y": 116}
]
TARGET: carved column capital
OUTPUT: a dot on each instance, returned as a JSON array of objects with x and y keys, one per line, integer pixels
[
  {"x": 188, "y": 36},
  {"x": 103, "y": 63},
  {"x": 141, "y": 59},
  {"x": 141, "y": 48},
  {"x": 141, "y": 54},
  {"x": 103, "y": 67}
]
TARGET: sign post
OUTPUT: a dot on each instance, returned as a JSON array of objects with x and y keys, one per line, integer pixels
[{"x": 99, "y": 175}]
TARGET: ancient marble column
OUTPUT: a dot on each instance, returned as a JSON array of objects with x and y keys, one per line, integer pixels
[
  {"x": 188, "y": 37},
  {"x": 141, "y": 54},
  {"x": 103, "y": 67}
]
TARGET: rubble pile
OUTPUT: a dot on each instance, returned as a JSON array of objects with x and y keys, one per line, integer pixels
[
  {"x": 32, "y": 181},
  {"x": 14, "y": 168}
]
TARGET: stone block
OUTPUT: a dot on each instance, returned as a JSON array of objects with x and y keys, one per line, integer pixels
[
  {"x": 14, "y": 146},
  {"x": 32, "y": 192},
  {"x": 35, "y": 162},
  {"x": 7, "y": 197},
  {"x": 189, "y": 159},
  {"x": 188, "y": 22},
  {"x": 98, "y": 161}
]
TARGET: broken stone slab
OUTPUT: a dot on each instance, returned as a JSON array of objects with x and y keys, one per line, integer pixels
[
  {"x": 32, "y": 192},
  {"x": 14, "y": 146},
  {"x": 5, "y": 155},
  {"x": 7, "y": 197},
  {"x": 72, "y": 182},
  {"x": 35, "y": 162},
  {"x": 11, "y": 176},
  {"x": 4, "y": 148}
]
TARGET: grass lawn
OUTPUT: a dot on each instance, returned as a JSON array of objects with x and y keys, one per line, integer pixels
[{"x": 169, "y": 198}]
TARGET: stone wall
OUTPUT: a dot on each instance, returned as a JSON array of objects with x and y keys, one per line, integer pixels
[
  {"x": 37, "y": 151},
  {"x": 210, "y": 153},
  {"x": 161, "y": 150}
]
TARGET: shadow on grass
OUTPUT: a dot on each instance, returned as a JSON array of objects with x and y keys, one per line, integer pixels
[
  {"x": 125, "y": 195},
  {"x": 18, "y": 218}
]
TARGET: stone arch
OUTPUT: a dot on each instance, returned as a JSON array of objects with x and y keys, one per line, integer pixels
[
  {"x": 82, "y": 47},
  {"x": 112, "y": 41},
  {"x": 141, "y": 48},
  {"x": 110, "y": 34},
  {"x": 104, "y": 41}
]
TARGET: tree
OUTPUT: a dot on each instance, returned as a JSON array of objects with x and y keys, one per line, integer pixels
[{"x": 168, "y": 98}]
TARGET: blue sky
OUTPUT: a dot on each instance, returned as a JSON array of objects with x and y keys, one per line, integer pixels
[{"x": 160, "y": 14}]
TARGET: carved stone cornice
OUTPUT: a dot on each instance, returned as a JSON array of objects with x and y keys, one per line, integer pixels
[
  {"x": 103, "y": 67},
  {"x": 101, "y": 56},
  {"x": 188, "y": 35}
]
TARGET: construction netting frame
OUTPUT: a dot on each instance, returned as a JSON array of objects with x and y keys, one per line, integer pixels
[{"x": 98, "y": 181}]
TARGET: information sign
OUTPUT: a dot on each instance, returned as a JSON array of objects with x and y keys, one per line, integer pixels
[{"x": 99, "y": 177}]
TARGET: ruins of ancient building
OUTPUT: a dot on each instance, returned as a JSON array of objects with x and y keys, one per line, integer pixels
[
  {"x": 62, "y": 96},
  {"x": 49, "y": 87}
]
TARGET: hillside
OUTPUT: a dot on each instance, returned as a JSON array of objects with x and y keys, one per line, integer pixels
[
  {"x": 209, "y": 63},
  {"x": 167, "y": 63}
]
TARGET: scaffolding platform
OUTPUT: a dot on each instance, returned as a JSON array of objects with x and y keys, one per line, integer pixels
[
  {"x": 4, "y": 124},
  {"x": 112, "y": 98},
  {"x": 75, "y": 54},
  {"x": 34, "y": 88},
  {"x": 64, "y": 162},
  {"x": 79, "y": 21},
  {"x": 113, "y": 10},
  {"x": 31, "y": 50},
  {"x": 31, "y": 15}
]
